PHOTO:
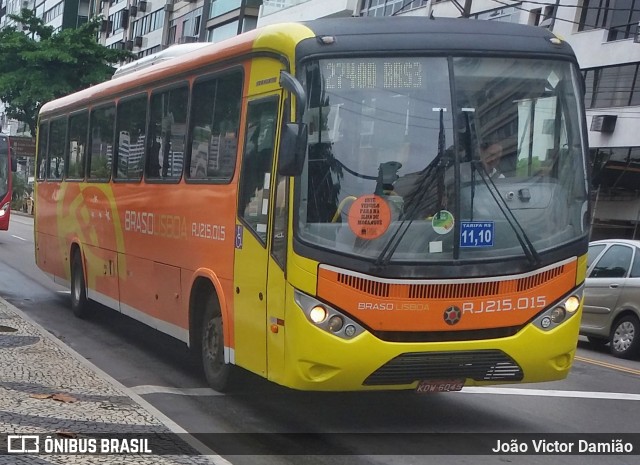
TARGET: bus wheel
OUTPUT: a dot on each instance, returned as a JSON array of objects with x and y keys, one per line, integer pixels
[
  {"x": 216, "y": 371},
  {"x": 79, "y": 301}
]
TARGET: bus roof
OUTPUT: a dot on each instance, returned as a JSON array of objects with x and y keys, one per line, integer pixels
[
  {"x": 392, "y": 34},
  {"x": 413, "y": 33}
]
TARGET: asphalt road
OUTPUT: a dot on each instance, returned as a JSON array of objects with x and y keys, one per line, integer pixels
[{"x": 601, "y": 394}]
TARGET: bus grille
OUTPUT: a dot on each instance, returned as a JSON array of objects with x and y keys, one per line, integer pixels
[
  {"x": 452, "y": 290},
  {"x": 479, "y": 365}
]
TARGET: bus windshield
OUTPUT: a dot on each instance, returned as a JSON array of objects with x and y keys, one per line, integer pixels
[{"x": 433, "y": 158}]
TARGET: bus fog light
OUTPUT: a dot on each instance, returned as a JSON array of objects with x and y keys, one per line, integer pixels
[
  {"x": 558, "y": 314},
  {"x": 318, "y": 314},
  {"x": 336, "y": 323},
  {"x": 572, "y": 304},
  {"x": 350, "y": 330}
]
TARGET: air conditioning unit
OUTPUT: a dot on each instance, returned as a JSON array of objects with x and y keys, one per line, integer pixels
[
  {"x": 142, "y": 6},
  {"x": 137, "y": 41},
  {"x": 133, "y": 10},
  {"x": 104, "y": 25},
  {"x": 603, "y": 123},
  {"x": 636, "y": 37},
  {"x": 188, "y": 39},
  {"x": 128, "y": 45},
  {"x": 168, "y": 7}
]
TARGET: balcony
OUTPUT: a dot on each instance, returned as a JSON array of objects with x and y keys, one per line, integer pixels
[{"x": 274, "y": 11}]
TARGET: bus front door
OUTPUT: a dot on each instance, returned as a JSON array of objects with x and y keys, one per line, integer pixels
[{"x": 252, "y": 235}]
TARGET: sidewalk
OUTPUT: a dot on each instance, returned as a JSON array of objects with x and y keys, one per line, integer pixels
[{"x": 49, "y": 391}]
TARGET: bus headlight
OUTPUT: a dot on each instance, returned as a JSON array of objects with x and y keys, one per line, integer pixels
[
  {"x": 327, "y": 318},
  {"x": 4, "y": 209},
  {"x": 560, "y": 312},
  {"x": 318, "y": 314},
  {"x": 572, "y": 304}
]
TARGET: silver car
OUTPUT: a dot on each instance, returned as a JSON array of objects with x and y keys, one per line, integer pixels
[{"x": 612, "y": 296}]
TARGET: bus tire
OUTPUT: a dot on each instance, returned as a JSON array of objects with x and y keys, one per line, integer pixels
[
  {"x": 216, "y": 371},
  {"x": 79, "y": 301}
]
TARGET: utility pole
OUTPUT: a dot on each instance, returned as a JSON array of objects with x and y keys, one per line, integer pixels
[{"x": 465, "y": 10}]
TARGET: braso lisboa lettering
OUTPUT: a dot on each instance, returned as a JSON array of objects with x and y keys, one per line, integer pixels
[{"x": 170, "y": 226}]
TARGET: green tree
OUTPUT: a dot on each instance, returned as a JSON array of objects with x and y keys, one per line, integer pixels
[
  {"x": 19, "y": 191},
  {"x": 38, "y": 65}
]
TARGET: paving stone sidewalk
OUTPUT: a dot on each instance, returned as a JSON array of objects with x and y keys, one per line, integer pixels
[{"x": 48, "y": 389}]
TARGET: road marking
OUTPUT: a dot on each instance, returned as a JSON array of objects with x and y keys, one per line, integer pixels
[
  {"x": 633, "y": 371},
  {"x": 18, "y": 237},
  {"x": 147, "y": 389},
  {"x": 551, "y": 393}
]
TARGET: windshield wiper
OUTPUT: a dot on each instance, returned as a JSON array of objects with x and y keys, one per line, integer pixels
[
  {"x": 526, "y": 244},
  {"x": 417, "y": 196}
]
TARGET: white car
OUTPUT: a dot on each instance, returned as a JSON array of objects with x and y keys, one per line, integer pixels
[{"x": 611, "y": 311}]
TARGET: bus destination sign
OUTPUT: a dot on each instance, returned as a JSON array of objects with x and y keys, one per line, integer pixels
[{"x": 371, "y": 74}]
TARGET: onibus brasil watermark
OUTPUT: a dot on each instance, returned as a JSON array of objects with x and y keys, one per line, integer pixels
[{"x": 46, "y": 444}]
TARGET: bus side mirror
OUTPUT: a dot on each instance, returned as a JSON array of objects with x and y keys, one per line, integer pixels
[
  {"x": 14, "y": 165},
  {"x": 293, "y": 148}
]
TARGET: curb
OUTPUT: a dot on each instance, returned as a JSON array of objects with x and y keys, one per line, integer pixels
[{"x": 164, "y": 420}]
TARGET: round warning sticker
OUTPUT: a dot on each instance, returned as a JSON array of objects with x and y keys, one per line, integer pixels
[
  {"x": 442, "y": 222},
  {"x": 369, "y": 216}
]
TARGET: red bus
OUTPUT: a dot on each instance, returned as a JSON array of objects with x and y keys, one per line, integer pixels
[{"x": 7, "y": 165}]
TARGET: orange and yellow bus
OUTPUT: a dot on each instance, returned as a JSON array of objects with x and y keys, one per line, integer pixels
[{"x": 310, "y": 202}]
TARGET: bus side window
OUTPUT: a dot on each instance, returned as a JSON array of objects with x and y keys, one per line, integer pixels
[
  {"x": 43, "y": 140},
  {"x": 101, "y": 147},
  {"x": 167, "y": 127},
  {"x": 76, "y": 148},
  {"x": 215, "y": 119},
  {"x": 57, "y": 148},
  {"x": 132, "y": 117},
  {"x": 253, "y": 192}
]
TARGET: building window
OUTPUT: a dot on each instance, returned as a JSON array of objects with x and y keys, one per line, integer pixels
[
  {"x": 389, "y": 7},
  {"x": 223, "y": 32},
  {"x": 53, "y": 13},
  {"x": 594, "y": 14},
  {"x": 148, "y": 23},
  {"x": 612, "y": 86},
  {"x": 615, "y": 167},
  {"x": 220, "y": 7},
  {"x": 624, "y": 19}
]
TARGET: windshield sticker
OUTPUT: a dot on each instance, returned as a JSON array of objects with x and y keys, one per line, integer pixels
[
  {"x": 476, "y": 233},
  {"x": 442, "y": 222},
  {"x": 369, "y": 217},
  {"x": 435, "y": 247}
]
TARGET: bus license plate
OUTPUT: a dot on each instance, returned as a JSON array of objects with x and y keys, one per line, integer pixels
[{"x": 440, "y": 385}]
